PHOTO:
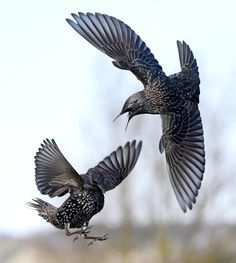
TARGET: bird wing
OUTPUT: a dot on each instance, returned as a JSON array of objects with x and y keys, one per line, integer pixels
[
  {"x": 118, "y": 41},
  {"x": 53, "y": 173},
  {"x": 189, "y": 69},
  {"x": 110, "y": 172},
  {"x": 183, "y": 143}
]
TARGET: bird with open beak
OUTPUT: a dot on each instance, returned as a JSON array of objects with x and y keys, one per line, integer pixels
[
  {"x": 174, "y": 97},
  {"x": 134, "y": 105}
]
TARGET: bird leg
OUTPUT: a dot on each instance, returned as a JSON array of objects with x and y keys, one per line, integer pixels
[
  {"x": 83, "y": 230},
  {"x": 94, "y": 239}
]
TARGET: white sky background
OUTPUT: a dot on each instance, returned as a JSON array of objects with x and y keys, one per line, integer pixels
[{"x": 48, "y": 82}]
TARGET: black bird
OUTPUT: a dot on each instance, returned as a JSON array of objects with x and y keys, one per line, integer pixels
[
  {"x": 174, "y": 97},
  {"x": 55, "y": 176}
]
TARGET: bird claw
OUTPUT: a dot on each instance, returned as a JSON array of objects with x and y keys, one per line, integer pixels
[
  {"x": 76, "y": 238},
  {"x": 94, "y": 239},
  {"x": 83, "y": 232}
]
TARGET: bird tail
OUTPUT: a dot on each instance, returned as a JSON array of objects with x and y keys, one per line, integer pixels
[
  {"x": 186, "y": 57},
  {"x": 44, "y": 209},
  {"x": 189, "y": 67}
]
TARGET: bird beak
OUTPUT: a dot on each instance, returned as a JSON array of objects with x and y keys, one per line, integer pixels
[
  {"x": 129, "y": 118},
  {"x": 118, "y": 116}
]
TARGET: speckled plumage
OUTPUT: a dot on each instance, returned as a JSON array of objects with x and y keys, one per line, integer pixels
[
  {"x": 55, "y": 177},
  {"x": 174, "y": 97}
]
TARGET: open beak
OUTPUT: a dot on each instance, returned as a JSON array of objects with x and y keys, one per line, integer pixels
[
  {"x": 129, "y": 118},
  {"x": 118, "y": 116}
]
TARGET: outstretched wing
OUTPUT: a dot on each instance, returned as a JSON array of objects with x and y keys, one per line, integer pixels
[
  {"x": 118, "y": 41},
  {"x": 183, "y": 143},
  {"x": 53, "y": 173},
  {"x": 189, "y": 69},
  {"x": 114, "y": 168}
]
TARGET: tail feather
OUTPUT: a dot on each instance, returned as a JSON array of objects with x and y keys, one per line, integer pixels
[
  {"x": 44, "y": 209},
  {"x": 186, "y": 57}
]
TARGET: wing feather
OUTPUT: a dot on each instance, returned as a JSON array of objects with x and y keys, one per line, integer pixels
[
  {"x": 54, "y": 175},
  {"x": 110, "y": 172},
  {"x": 185, "y": 155},
  {"x": 118, "y": 41}
]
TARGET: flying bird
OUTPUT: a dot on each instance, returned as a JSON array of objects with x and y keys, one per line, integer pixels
[
  {"x": 55, "y": 176},
  {"x": 174, "y": 97}
]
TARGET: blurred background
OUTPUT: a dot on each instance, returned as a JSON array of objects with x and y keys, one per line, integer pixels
[{"x": 54, "y": 84}]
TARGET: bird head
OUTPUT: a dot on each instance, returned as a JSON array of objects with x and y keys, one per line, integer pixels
[{"x": 134, "y": 105}]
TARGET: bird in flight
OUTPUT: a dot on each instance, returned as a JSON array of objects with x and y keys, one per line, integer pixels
[
  {"x": 174, "y": 97},
  {"x": 55, "y": 176}
]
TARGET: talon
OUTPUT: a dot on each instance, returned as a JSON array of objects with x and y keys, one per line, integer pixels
[
  {"x": 77, "y": 237},
  {"x": 102, "y": 238},
  {"x": 82, "y": 231},
  {"x": 91, "y": 243},
  {"x": 94, "y": 239}
]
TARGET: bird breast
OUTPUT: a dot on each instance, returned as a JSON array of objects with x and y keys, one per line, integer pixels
[{"x": 80, "y": 208}]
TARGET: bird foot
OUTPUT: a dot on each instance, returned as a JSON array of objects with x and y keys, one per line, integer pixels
[
  {"x": 94, "y": 239},
  {"x": 82, "y": 231}
]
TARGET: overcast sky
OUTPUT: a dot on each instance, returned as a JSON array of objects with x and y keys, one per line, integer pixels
[{"x": 48, "y": 80}]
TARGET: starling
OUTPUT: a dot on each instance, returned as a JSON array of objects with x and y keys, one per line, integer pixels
[
  {"x": 174, "y": 97},
  {"x": 55, "y": 176}
]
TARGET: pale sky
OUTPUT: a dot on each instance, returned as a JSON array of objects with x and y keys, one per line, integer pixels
[{"x": 49, "y": 87}]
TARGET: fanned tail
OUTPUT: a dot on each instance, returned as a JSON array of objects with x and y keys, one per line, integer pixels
[
  {"x": 44, "y": 209},
  {"x": 186, "y": 56}
]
